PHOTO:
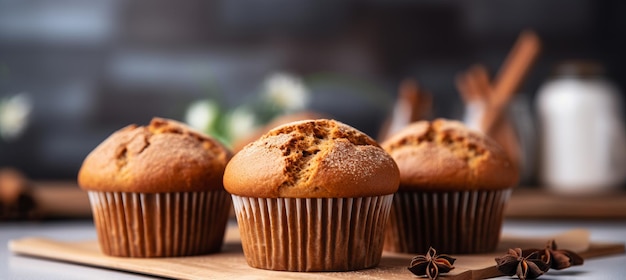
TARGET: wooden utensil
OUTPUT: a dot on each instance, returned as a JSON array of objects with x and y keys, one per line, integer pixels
[{"x": 231, "y": 264}]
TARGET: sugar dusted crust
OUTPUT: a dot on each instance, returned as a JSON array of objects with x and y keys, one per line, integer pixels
[
  {"x": 313, "y": 158},
  {"x": 444, "y": 155},
  {"x": 165, "y": 156}
]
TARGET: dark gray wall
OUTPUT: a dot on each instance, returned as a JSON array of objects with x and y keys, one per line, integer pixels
[{"x": 93, "y": 66}]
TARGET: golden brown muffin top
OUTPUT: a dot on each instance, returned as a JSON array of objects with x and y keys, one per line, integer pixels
[
  {"x": 165, "y": 156},
  {"x": 445, "y": 155},
  {"x": 312, "y": 159},
  {"x": 277, "y": 121}
]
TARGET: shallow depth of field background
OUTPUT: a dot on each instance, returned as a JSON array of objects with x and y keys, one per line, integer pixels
[{"x": 93, "y": 66}]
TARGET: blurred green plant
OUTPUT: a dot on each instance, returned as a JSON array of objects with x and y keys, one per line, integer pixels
[
  {"x": 14, "y": 115},
  {"x": 281, "y": 93},
  {"x": 15, "y": 110}
]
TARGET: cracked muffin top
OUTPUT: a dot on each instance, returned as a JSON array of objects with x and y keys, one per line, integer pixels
[
  {"x": 445, "y": 155},
  {"x": 312, "y": 159},
  {"x": 165, "y": 156}
]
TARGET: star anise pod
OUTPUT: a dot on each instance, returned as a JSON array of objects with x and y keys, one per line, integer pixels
[
  {"x": 555, "y": 258},
  {"x": 525, "y": 267},
  {"x": 431, "y": 264}
]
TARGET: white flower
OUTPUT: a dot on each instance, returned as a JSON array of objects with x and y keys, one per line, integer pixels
[
  {"x": 202, "y": 115},
  {"x": 14, "y": 115},
  {"x": 241, "y": 122},
  {"x": 286, "y": 91}
]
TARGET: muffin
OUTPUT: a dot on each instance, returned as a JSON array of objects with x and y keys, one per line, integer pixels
[
  {"x": 238, "y": 144},
  {"x": 454, "y": 184},
  {"x": 156, "y": 191},
  {"x": 312, "y": 195}
]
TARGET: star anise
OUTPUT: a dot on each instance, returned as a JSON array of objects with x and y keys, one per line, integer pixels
[
  {"x": 431, "y": 264},
  {"x": 525, "y": 267},
  {"x": 555, "y": 258}
]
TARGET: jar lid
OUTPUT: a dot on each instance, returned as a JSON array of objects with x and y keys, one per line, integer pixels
[{"x": 579, "y": 69}]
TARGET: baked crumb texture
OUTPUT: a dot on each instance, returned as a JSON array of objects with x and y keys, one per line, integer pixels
[
  {"x": 164, "y": 156},
  {"x": 464, "y": 145},
  {"x": 302, "y": 151},
  {"x": 313, "y": 158},
  {"x": 445, "y": 154}
]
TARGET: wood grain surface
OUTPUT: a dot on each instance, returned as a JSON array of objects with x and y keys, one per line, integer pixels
[
  {"x": 539, "y": 203},
  {"x": 231, "y": 264}
]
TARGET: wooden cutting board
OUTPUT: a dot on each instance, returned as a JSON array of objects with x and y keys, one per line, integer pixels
[
  {"x": 231, "y": 264},
  {"x": 539, "y": 203}
]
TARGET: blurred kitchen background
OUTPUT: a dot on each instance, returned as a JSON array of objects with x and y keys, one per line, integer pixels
[{"x": 82, "y": 69}]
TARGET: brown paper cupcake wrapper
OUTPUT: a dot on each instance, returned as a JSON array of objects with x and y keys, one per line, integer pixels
[
  {"x": 451, "y": 222},
  {"x": 160, "y": 224},
  {"x": 312, "y": 234}
]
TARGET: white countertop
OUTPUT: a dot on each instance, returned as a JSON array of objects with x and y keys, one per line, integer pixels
[{"x": 26, "y": 268}]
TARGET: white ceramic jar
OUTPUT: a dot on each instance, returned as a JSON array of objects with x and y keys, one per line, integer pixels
[{"x": 582, "y": 139}]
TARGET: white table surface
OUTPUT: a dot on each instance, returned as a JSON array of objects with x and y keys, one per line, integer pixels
[{"x": 25, "y": 268}]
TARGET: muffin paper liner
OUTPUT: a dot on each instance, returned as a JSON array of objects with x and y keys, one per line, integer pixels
[
  {"x": 451, "y": 222},
  {"x": 160, "y": 224},
  {"x": 312, "y": 234}
]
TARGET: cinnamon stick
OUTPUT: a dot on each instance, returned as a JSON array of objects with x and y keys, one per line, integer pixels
[
  {"x": 513, "y": 72},
  {"x": 412, "y": 104},
  {"x": 476, "y": 83}
]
